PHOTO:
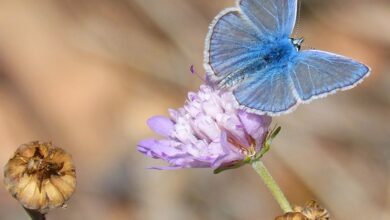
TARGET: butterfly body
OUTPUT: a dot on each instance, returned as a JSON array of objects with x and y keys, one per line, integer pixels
[
  {"x": 265, "y": 57},
  {"x": 280, "y": 53},
  {"x": 249, "y": 50}
]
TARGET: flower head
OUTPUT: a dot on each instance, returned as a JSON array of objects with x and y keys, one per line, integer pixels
[
  {"x": 41, "y": 176},
  {"x": 209, "y": 131}
]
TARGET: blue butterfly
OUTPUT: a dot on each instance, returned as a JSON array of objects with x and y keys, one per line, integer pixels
[{"x": 249, "y": 50}]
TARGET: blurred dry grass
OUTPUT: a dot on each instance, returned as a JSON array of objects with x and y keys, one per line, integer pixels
[{"x": 87, "y": 75}]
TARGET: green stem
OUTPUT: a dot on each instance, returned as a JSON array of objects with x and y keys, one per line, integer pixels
[{"x": 277, "y": 193}]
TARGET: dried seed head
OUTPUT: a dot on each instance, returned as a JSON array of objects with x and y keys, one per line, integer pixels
[
  {"x": 292, "y": 216},
  {"x": 311, "y": 211},
  {"x": 40, "y": 176}
]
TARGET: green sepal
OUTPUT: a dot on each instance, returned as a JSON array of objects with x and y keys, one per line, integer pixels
[
  {"x": 233, "y": 165},
  {"x": 267, "y": 143},
  {"x": 274, "y": 132}
]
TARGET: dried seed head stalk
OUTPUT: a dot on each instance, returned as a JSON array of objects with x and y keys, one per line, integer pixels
[
  {"x": 311, "y": 211},
  {"x": 40, "y": 176}
]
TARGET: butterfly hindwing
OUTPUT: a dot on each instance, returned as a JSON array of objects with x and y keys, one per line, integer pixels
[
  {"x": 267, "y": 92},
  {"x": 317, "y": 73}
]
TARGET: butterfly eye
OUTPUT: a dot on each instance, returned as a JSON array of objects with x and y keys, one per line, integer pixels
[{"x": 297, "y": 43}]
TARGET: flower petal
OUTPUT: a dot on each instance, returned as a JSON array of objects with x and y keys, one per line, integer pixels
[
  {"x": 166, "y": 168},
  {"x": 255, "y": 125},
  {"x": 232, "y": 125},
  {"x": 212, "y": 108},
  {"x": 161, "y": 125},
  {"x": 158, "y": 149},
  {"x": 205, "y": 126},
  {"x": 174, "y": 114},
  {"x": 230, "y": 156}
]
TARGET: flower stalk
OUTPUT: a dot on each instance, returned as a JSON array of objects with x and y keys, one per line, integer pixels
[
  {"x": 276, "y": 192},
  {"x": 35, "y": 215}
]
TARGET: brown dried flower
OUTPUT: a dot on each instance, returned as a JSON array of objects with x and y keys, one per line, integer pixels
[
  {"x": 311, "y": 211},
  {"x": 292, "y": 216},
  {"x": 40, "y": 176}
]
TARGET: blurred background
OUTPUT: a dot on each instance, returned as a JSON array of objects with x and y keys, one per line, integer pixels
[{"x": 87, "y": 75}]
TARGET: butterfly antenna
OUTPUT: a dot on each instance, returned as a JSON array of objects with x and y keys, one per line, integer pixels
[
  {"x": 297, "y": 26},
  {"x": 193, "y": 72}
]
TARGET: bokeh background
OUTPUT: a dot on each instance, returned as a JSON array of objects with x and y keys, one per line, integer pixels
[{"x": 87, "y": 74}]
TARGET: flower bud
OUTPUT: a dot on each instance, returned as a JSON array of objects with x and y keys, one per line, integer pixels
[{"x": 40, "y": 176}]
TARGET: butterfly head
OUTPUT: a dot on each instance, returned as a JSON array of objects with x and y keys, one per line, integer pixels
[{"x": 297, "y": 43}]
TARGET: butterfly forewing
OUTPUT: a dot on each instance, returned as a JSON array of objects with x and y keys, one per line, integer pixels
[
  {"x": 226, "y": 57},
  {"x": 273, "y": 18}
]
